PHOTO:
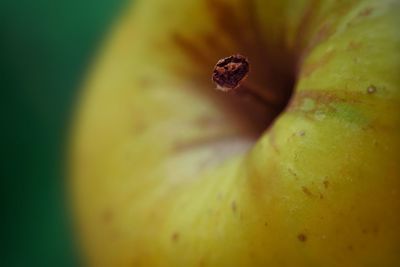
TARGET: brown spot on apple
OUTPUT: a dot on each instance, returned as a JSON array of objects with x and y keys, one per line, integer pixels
[
  {"x": 306, "y": 191},
  {"x": 370, "y": 230},
  {"x": 145, "y": 82},
  {"x": 107, "y": 216},
  {"x": 353, "y": 45},
  {"x": 175, "y": 237},
  {"x": 366, "y": 12},
  {"x": 326, "y": 183},
  {"x": 234, "y": 206},
  {"x": 302, "y": 237}
]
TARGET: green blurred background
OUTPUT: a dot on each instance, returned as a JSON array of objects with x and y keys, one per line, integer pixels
[{"x": 45, "y": 49}]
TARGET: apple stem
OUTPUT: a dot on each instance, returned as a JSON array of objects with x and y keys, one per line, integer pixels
[{"x": 230, "y": 75}]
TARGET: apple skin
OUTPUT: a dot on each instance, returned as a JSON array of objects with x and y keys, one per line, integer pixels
[{"x": 167, "y": 172}]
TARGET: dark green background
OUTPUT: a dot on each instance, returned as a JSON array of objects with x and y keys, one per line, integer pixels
[{"x": 45, "y": 49}]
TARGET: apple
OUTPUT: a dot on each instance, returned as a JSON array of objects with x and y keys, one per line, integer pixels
[{"x": 168, "y": 171}]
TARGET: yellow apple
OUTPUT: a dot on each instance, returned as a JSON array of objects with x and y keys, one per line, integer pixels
[{"x": 167, "y": 171}]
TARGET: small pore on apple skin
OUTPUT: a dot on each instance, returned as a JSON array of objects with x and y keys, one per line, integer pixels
[
  {"x": 301, "y": 133},
  {"x": 371, "y": 89}
]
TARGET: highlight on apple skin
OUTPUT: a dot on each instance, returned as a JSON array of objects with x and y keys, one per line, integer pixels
[{"x": 168, "y": 171}]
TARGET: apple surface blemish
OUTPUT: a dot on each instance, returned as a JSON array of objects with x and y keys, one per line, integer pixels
[
  {"x": 292, "y": 172},
  {"x": 366, "y": 12},
  {"x": 319, "y": 115},
  {"x": 371, "y": 89},
  {"x": 175, "y": 237},
  {"x": 234, "y": 206},
  {"x": 308, "y": 104},
  {"x": 302, "y": 237},
  {"x": 107, "y": 216},
  {"x": 351, "y": 114},
  {"x": 306, "y": 191}
]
